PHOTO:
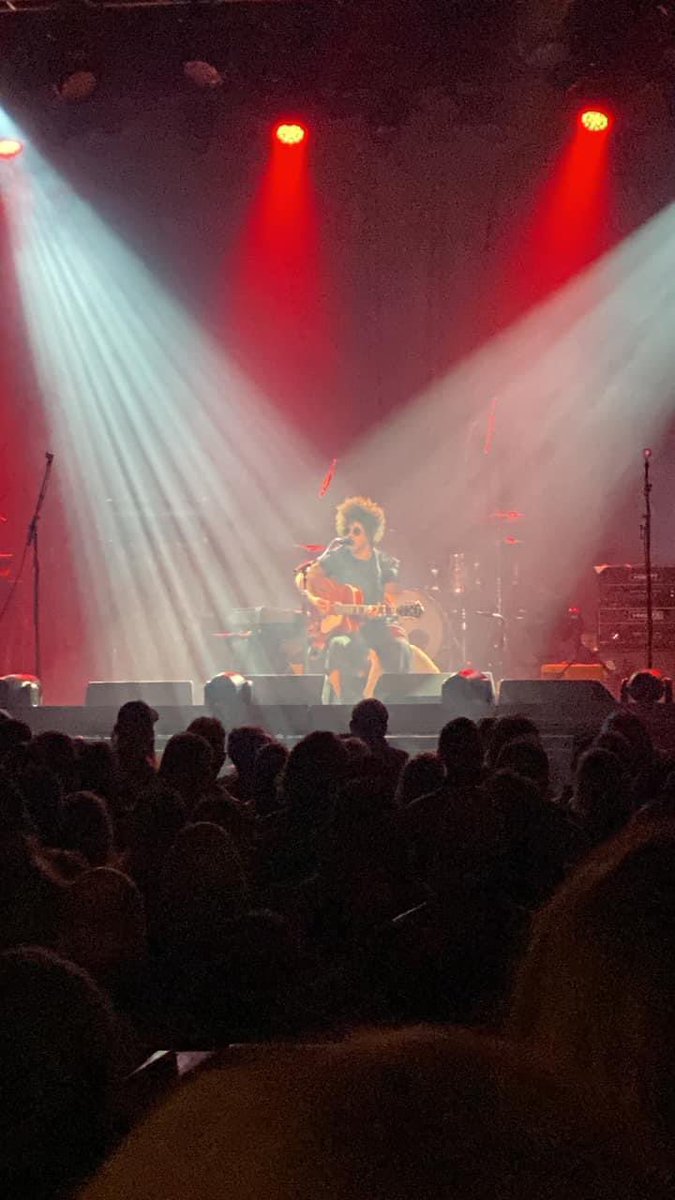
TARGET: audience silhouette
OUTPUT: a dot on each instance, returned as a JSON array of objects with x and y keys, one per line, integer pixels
[{"x": 154, "y": 898}]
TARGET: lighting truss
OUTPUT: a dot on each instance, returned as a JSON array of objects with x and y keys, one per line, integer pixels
[{"x": 36, "y": 6}]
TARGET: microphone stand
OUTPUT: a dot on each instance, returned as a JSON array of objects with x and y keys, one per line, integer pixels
[
  {"x": 33, "y": 541},
  {"x": 647, "y": 540}
]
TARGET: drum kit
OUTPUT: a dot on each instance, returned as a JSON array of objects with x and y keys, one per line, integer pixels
[{"x": 472, "y": 604}]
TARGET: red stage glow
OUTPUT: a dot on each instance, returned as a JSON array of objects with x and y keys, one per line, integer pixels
[
  {"x": 594, "y": 120},
  {"x": 290, "y": 134},
  {"x": 281, "y": 319},
  {"x": 570, "y": 225},
  {"x": 10, "y": 147}
]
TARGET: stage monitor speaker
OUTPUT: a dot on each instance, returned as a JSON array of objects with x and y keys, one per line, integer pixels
[
  {"x": 584, "y": 700},
  {"x": 410, "y": 688},
  {"x": 164, "y": 693},
  {"x": 283, "y": 691}
]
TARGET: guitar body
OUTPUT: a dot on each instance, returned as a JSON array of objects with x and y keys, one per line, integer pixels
[
  {"x": 340, "y": 593},
  {"x": 351, "y": 611}
]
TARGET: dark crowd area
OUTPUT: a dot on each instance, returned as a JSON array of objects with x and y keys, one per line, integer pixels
[{"x": 415, "y": 976}]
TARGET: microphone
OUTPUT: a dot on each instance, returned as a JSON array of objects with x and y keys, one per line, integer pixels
[
  {"x": 49, "y": 457},
  {"x": 341, "y": 541},
  {"x": 646, "y": 453}
]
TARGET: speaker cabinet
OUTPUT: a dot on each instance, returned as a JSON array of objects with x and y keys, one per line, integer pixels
[
  {"x": 283, "y": 691},
  {"x": 410, "y": 688},
  {"x": 584, "y": 700},
  {"x": 164, "y": 693}
]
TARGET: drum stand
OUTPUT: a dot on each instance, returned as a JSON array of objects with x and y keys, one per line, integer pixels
[
  {"x": 459, "y": 582},
  {"x": 454, "y": 645},
  {"x": 307, "y": 612},
  {"x": 500, "y": 643}
]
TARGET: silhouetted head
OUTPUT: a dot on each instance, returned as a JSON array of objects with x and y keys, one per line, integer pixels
[
  {"x": 14, "y": 816},
  {"x": 509, "y": 729},
  {"x": 103, "y": 925},
  {"x": 202, "y": 883},
  {"x": 485, "y": 726},
  {"x": 134, "y": 731},
  {"x": 315, "y": 766},
  {"x": 359, "y": 753},
  {"x": 13, "y": 734},
  {"x": 136, "y": 716},
  {"x": 30, "y": 893},
  {"x": 600, "y": 794},
  {"x": 213, "y": 732},
  {"x": 461, "y": 752},
  {"x": 158, "y": 817},
  {"x": 57, "y": 752},
  {"x": 596, "y": 991},
  {"x": 420, "y": 775},
  {"x": 614, "y": 743},
  {"x": 96, "y": 768},
  {"x": 517, "y": 800},
  {"x": 526, "y": 758},
  {"x": 243, "y": 745},
  {"x": 391, "y": 1116},
  {"x": 56, "y": 1066},
  {"x": 630, "y": 727},
  {"x": 86, "y": 827},
  {"x": 369, "y": 719},
  {"x": 269, "y": 765},
  {"x": 186, "y": 767}
]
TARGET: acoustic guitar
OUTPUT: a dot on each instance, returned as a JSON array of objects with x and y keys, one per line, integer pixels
[{"x": 348, "y": 611}]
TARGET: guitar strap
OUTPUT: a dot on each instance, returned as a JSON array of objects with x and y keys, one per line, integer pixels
[{"x": 378, "y": 562}]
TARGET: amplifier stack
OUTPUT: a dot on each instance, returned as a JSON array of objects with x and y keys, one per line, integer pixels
[{"x": 622, "y": 615}]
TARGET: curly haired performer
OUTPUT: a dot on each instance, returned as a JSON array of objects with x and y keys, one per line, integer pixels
[{"x": 356, "y": 562}]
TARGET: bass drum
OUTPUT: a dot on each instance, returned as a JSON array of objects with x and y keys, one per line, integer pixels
[{"x": 428, "y": 632}]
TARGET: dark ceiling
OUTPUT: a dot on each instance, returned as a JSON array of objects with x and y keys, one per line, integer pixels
[{"x": 343, "y": 55}]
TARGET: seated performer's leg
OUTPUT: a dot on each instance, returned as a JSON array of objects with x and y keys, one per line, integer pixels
[
  {"x": 392, "y": 649},
  {"x": 346, "y": 661}
]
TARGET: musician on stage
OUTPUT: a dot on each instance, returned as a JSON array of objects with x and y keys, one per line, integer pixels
[{"x": 354, "y": 559}]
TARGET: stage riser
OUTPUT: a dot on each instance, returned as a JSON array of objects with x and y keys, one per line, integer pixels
[
  {"x": 284, "y": 720},
  {"x": 414, "y": 720},
  {"x": 414, "y": 728},
  {"x": 95, "y": 722}
]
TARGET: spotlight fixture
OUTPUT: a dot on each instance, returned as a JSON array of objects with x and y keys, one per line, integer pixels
[
  {"x": 202, "y": 74},
  {"x": 76, "y": 87},
  {"x": 18, "y": 692},
  {"x": 290, "y": 134},
  {"x": 595, "y": 120},
  {"x": 10, "y": 148}
]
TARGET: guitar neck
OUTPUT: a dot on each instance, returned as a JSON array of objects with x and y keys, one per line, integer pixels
[{"x": 362, "y": 610}]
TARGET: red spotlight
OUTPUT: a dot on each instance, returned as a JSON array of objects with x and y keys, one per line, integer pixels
[
  {"x": 595, "y": 120},
  {"x": 290, "y": 134},
  {"x": 10, "y": 147}
]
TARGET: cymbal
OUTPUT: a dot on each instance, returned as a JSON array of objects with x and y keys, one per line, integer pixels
[
  {"x": 311, "y": 549},
  {"x": 510, "y": 514}
]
